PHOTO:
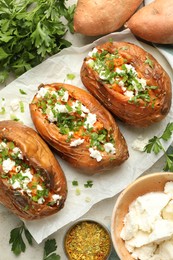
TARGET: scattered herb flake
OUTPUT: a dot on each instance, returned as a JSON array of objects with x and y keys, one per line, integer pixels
[
  {"x": 149, "y": 62},
  {"x": 22, "y": 92},
  {"x": 22, "y": 108},
  {"x": 71, "y": 76},
  {"x": 2, "y": 111},
  {"x": 75, "y": 183},
  {"x": 88, "y": 184},
  {"x": 78, "y": 191}
]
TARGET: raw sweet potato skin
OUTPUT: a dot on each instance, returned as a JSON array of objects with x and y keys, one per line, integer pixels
[
  {"x": 79, "y": 156},
  {"x": 154, "y": 22},
  {"x": 100, "y": 17},
  {"x": 39, "y": 156},
  {"x": 137, "y": 115}
]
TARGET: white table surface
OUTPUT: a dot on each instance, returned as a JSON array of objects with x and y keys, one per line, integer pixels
[{"x": 101, "y": 211}]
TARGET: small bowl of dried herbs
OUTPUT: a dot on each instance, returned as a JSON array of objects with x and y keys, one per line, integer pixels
[{"x": 88, "y": 240}]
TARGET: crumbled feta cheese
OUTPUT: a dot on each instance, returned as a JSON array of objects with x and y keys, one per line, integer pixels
[
  {"x": 27, "y": 173},
  {"x": 142, "y": 82},
  {"x": 65, "y": 96},
  {"x": 102, "y": 75},
  {"x": 14, "y": 104},
  {"x": 77, "y": 142},
  {"x": 61, "y": 108},
  {"x": 56, "y": 197},
  {"x": 17, "y": 150},
  {"x": 95, "y": 154},
  {"x": 167, "y": 212},
  {"x": 129, "y": 68},
  {"x": 129, "y": 93},
  {"x": 41, "y": 92},
  {"x": 121, "y": 84},
  {"x": 90, "y": 54},
  {"x": 145, "y": 252},
  {"x": 50, "y": 115},
  {"x": 41, "y": 200},
  {"x": 168, "y": 189},
  {"x": 16, "y": 185},
  {"x": 7, "y": 165},
  {"x": 119, "y": 71},
  {"x": 39, "y": 187},
  {"x": 109, "y": 148},
  {"x": 140, "y": 143},
  {"x": 2, "y": 146},
  {"x": 90, "y": 120},
  {"x": 146, "y": 232},
  {"x": 90, "y": 62}
]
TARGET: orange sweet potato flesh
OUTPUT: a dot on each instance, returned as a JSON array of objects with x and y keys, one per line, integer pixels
[
  {"x": 139, "y": 114},
  {"x": 79, "y": 156},
  {"x": 39, "y": 156},
  {"x": 100, "y": 17},
  {"x": 154, "y": 22}
]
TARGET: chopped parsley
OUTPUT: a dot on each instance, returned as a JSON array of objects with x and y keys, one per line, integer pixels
[
  {"x": 88, "y": 184},
  {"x": 73, "y": 119},
  {"x": 114, "y": 70}
]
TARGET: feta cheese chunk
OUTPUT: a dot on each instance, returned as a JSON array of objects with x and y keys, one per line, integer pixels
[
  {"x": 7, "y": 165},
  {"x": 77, "y": 142},
  {"x": 95, "y": 154}
]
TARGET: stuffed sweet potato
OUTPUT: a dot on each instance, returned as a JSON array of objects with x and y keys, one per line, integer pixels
[
  {"x": 80, "y": 129},
  {"x": 129, "y": 82},
  {"x": 32, "y": 183}
]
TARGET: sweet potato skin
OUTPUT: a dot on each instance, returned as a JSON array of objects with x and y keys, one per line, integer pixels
[
  {"x": 100, "y": 17},
  {"x": 39, "y": 156},
  {"x": 79, "y": 156},
  {"x": 154, "y": 22},
  {"x": 130, "y": 113}
]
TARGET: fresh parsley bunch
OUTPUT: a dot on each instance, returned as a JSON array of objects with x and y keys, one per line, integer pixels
[{"x": 30, "y": 31}]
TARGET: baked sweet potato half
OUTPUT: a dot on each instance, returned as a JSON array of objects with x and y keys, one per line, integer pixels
[
  {"x": 129, "y": 82},
  {"x": 32, "y": 183},
  {"x": 80, "y": 129}
]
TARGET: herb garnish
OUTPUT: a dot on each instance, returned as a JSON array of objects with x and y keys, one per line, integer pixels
[
  {"x": 49, "y": 247},
  {"x": 18, "y": 245},
  {"x": 22, "y": 92},
  {"x": 155, "y": 145},
  {"x": 149, "y": 62},
  {"x": 30, "y": 31},
  {"x": 16, "y": 239},
  {"x": 88, "y": 184},
  {"x": 121, "y": 76}
]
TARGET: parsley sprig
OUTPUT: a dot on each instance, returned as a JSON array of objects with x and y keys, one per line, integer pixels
[
  {"x": 155, "y": 145},
  {"x": 49, "y": 247},
  {"x": 30, "y": 31},
  {"x": 17, "y": 241}
]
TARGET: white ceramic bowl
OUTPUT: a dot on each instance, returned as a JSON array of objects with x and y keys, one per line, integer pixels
[{"x": 148, "y": 183}]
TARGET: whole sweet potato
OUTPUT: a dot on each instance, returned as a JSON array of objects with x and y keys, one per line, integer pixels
[
  {"x": 81, "y": 130},
  {"x": 32, "y": 183},
  {"x": 154, "y": 22},
  {"x": 102, "y": 16},
  {"x": 129, "y": 82}
]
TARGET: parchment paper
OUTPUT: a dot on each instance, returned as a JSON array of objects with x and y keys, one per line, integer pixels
[{"x": 55, "y": 69}]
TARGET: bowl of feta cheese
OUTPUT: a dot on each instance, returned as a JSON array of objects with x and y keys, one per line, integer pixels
[{"x": 142, "y": 219}]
